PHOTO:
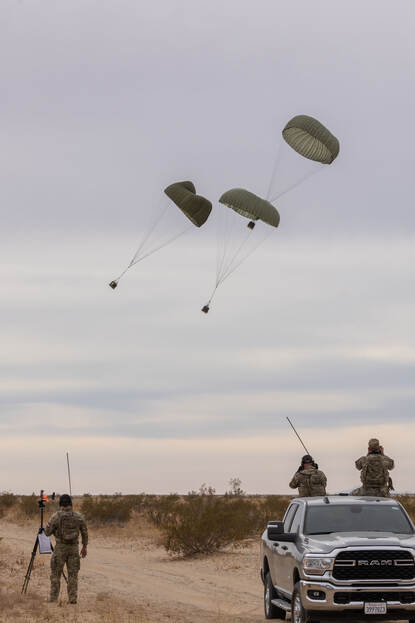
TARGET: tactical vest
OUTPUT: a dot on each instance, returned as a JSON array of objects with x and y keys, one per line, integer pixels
[
  {"x": 68, "y": 527},
  {"x": 374, "y": 472}
]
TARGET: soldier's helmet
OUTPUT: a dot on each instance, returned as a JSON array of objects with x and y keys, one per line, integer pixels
[
  {"x": 307, "y": 458},
  {"x": 374, "y": 444},
  {"x": 65, "y": 500}
]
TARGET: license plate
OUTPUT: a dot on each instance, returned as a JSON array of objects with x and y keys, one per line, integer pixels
[{"x": 375, "y": 608}]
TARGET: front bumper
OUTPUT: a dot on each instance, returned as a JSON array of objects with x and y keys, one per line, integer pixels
[{"x": 333, "y": 593}]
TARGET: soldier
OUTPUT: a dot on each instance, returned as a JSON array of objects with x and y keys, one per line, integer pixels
[
  {"x": 65, "y": 525},
  {"x": 311, "y": 481},
  {"x": 374, "y": 469}
]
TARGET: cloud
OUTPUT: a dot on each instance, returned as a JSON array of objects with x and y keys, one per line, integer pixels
[{"x": 103, "y": 110}]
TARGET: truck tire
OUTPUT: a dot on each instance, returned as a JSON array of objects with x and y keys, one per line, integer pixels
[
  {"x": 298, "y": 613},
  {"x": 271, "y": 611}
]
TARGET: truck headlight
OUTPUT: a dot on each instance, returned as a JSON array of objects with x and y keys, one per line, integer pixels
[{"x": 317, "y": 565}]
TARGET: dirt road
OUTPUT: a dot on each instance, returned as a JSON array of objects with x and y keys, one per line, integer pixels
[
  {"x": 223, "y": 587},
  {"x": 132, "y": 580}
]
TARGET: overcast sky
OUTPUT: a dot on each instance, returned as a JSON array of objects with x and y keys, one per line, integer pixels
[{"x": 104, "y": 104}]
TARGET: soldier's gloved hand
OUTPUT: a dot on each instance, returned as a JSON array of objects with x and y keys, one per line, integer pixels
[{"x": 83, "y": 551}]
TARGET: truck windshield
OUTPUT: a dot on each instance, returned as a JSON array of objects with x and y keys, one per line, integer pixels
[{"x": 356, "y": 518}]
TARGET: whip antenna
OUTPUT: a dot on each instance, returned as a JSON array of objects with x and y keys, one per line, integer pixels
[
  {"x": 69, "y": 474},
  {"x": 301, "y": 441}
]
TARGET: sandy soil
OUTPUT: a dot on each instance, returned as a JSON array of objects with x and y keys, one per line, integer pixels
[
  {"x": 144, "y": 582},
  {"x": 131, "y": 580}
]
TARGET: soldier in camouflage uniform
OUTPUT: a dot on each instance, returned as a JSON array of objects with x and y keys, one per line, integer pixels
[
  {"x": 374, "y": 468},
  {"x": 66, "y": 525},
  {"x": 311, "y": 481}
]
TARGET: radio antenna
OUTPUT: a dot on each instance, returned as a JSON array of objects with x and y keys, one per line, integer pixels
[
  {"x": 301, "y": 441},
  {"x": 69, "y": 474}
]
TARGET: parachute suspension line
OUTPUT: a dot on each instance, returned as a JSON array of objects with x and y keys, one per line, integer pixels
[
  {"x": 223, "y": 266},
  {"x": 149, "y": 233},
  {"x": 161, "y": 246},
  {"x": 145, "y": 239},
  {"x": 228, "y": 228},
  {"x": 137, "y": 260},
  {"x": 229, "y": 273},
  {"x": 274, "y": 171},
  {"x": 228, "y": 267},
  {"x": 298, "y": 182}
]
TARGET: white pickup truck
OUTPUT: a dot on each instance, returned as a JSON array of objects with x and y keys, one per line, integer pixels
[{"x": 340, "y": 557}]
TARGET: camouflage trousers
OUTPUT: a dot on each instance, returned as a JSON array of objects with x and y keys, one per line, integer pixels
[{"x": 69, "y": 555}]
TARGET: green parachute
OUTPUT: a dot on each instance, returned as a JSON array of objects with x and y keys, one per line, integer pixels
[
  {"x": 307, "y": 137},
  {"x": 251, "y": 206},
  {"x": 195, "y": 207}
]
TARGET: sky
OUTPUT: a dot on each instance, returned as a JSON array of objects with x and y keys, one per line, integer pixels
[{"x": 103, "y": 105}]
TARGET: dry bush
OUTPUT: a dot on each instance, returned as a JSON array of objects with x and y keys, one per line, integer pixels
[
  {"x": 159, "y": 509},
  {"x": 107, "y": 510},
  {"x": 271, "y": 507},
  {"x": 206, "y": 523},
  {"x": 28, "y": 505},
  {"x": 7, "y": 500},
  {"x": 408, "y": 502}
]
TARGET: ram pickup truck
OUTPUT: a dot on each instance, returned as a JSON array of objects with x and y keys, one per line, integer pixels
[{"x": 340, "y": 557}]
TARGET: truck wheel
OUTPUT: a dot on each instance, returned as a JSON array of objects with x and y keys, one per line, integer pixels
[
  {"x": 271, "y": 611},
  {"x": 298, "y": 613}
]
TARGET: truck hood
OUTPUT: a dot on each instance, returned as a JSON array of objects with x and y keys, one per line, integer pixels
[{"x": 325, "y": 543}]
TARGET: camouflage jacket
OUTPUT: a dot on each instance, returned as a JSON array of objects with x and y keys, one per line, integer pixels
[
  {"x": 389, "y": 463},
  {"x": 71, "y": 518},
  {"x": 310, "y": 482},
  {"x": 382, "y": 481}
]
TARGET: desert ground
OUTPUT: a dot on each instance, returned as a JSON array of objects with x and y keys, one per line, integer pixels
[{"x": 129, "y": 577}]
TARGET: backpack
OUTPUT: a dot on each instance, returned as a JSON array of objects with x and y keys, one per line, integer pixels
[
  {"x": 374, "y": 472},
  {"x": 68, "y": 527}
]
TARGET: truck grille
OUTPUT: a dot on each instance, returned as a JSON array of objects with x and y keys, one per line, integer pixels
[
  {"x": 374, "y": 565},
  {"x": 346, "y": 598}
]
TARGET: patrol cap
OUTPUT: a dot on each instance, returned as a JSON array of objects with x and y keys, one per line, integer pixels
[
  {"x": 374, "y": 444},
  {"x": 65, "y": 500},
  {"x": 307, "y": 458}
]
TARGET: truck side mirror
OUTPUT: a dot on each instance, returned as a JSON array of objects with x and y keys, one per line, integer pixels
[{"x": 275, "y": 529}]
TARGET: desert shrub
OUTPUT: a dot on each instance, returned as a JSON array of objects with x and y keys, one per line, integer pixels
[
  {"x": 408, "y": 502},
  {"x": 106, "y": 510},
  {"x": 159, "y": 509},
  {"x": 205, "y": 524},
  {"x": 271, "y": 507},
  {"x": 7, "y": 500},
  {"x": 29, "y": 506},
  {"x": 235, "y": 488},
  {"x": 136, "y": 501}
]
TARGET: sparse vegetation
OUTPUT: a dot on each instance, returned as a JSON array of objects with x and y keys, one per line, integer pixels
[
  {"x": 29, "y": 505},
  {"x": 7, "y": 500},
  {"x": 203, "y": 522},
  {"x": 107, "y": 510}
]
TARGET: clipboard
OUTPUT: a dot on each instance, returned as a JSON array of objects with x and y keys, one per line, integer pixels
[{"x": 45, "y": 546}]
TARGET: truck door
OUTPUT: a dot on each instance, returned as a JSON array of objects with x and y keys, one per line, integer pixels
[
  {"x": 278, "y": 559},
  {"x": 286, "y": 550}
]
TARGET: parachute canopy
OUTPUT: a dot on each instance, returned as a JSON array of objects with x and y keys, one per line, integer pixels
[
  {"x": 195, "y": 207},
  {"x": 311, "y": 139},
  {"x": 251, "y": 206}
]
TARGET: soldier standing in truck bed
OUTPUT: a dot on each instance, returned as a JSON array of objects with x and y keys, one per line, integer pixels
[
  {"x": 310, "y": 480},
  {"x": 374, "y": 468}
]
